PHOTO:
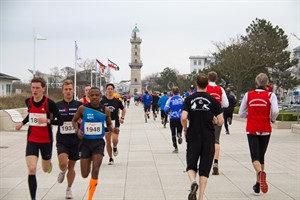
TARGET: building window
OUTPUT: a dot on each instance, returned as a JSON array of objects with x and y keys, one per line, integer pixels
[
  {"x": 135, "y": 60},
  {"x": 135, "y": 46},
  {"x": 195, "y": 62},
  {"x": 8, "y": 89},
  {"x": 135, "y": 80},
  {"x": 135, "y": 53},
  {"x": 199, "y": 62}
]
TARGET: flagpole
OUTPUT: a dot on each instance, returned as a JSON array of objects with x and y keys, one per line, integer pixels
[
  {"x": 91, "y": 76},
  {"x": 75, "y": 69}
]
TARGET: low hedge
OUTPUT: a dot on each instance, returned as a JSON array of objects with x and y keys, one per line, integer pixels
[{"x": 283, "y": 115}]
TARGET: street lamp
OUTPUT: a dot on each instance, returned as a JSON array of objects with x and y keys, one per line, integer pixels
[{"x": 35, "y": 38}]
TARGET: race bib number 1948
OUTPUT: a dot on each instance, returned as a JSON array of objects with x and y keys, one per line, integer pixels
[{"x": 93, "y": 128}]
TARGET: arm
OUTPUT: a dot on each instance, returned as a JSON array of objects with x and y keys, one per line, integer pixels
[
  {"x": 76, "y": 117},
  {"x": 56, "y": 119},
  {"x": 167, "y": 107},
  {"x": 184, "y": 117},
  {"x": 224, "y": 101},
  {"x": 123, "y": 113},
  {"x": 220, "y": 119},
  {"x": 243, "y": 107},
  {"x": 274, "y": 107},
  {"x": 108, "y": 120}
]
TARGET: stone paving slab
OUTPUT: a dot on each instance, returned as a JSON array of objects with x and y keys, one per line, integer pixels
[{"x": 146, "y": 168}]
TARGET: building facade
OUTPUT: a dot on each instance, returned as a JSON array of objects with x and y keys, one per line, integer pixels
[
  {"x": 200, "y": 62},
  {"x": 136, "y": 62},
  {"x": 6, "y": 82}
]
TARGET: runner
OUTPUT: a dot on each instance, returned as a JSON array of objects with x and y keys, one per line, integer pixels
[
  {"x": 260, "y": 107},
  {"x": 161, "y": 103},
  {"x": 155, "y": 99},
  {"x": 112, "y": 137},
  {"x": 174, "y": 107},
  {"x": 67, "y": 142},
  {"x": 92, "y": 132},
  {"x": 203, "y": 111},
  {"x": 147, "y": 100},
  {"x": 86, "y": 99},
  {"x": 39, "y": 136},
  {"x": 219, "y": 94}
]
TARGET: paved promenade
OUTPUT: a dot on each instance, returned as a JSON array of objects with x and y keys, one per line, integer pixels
[{"x": 145, "y": 168}]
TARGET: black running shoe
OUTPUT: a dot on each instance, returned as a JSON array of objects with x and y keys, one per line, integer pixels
[
  {"x": 111, "y": 161},
  {"x": 229, "y": 119},
  {"x": 256, "y": 189},
  {"x": 193, "y": 192}
]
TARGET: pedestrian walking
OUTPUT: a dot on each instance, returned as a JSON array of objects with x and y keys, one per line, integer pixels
[
  {"x": 92, "y": 132},
  {"x": 42, "y": 113},
  {"x": 203, "y": 111},
  {"x": 219, "y": 94},
  {"x": 260, "y": 107},
  {"x": 67, "y": 142}
]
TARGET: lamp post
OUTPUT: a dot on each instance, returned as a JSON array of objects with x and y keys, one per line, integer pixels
[{"x": 35, "y": 38}]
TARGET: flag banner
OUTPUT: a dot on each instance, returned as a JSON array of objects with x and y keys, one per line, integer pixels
[
  {"x": 101, "y": 65},
  {"x": 113, "y": 65},
  {"x": 39, "y": 37},
  {"x": 77, "y": 54}
]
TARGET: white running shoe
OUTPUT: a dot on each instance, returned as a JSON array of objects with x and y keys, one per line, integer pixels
[
  {"x": 69, "y": 194},
  {"x": 115, "y": 151},
  {"x": 61, "y": 176}
]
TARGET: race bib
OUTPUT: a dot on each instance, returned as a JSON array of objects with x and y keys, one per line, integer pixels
[
  {"x": 93, "y": 128},
  {"x": 33, "y": 119},
  {"x": 67, "y": 128}
]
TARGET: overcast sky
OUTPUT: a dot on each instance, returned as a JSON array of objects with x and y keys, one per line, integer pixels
[{"x": 171, "y": 31}]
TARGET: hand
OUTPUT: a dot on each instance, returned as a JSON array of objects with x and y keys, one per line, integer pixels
[
  {"x": 215, "y": 120},
  {"x": 19, "y": 126},
  {"x": 79, "y": 134},
  {"x": 42, "y": 121},
  {"x": 185, "y": 132},
  {"x": 121, "y": 121}
]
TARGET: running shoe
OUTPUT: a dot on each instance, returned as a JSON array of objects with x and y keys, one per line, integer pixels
[
  {"x": 193, "y": 192},
  {"x": 227, "y": 133},
  {"x": 50, "y": 168},
  {"x": 111, "y": 161},
  {"x": 256, "y": 189},
  {"x": 115, "y": 151},
  {"x": 148, "y": 116},
  {"x": 215, "y": 169},
  {"x": 263, "y": 182},
  {"x": 179, "y": 138},
  {"x": 61, "y": 176},
  {"x": 229, "y": 119},
  {"x": 69, "y": 194},
  {"x": 175, "y": 150}
]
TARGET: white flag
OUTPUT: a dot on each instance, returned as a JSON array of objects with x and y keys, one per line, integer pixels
[
  {"x": 39, "y": 37},
  {"x": 77, "y": 54}
]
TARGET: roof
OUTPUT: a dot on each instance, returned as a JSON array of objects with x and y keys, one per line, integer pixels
[
  {"x": 5, "y": 76},
  {"x": 135, "y": 30},
  {"x": 297, "y": 48}
]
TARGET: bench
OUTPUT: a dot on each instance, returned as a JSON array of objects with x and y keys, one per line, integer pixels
[{"x": 14, "y": 115}]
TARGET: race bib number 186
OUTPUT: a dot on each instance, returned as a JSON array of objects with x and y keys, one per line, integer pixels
[{"x": 33, "y": 119}]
